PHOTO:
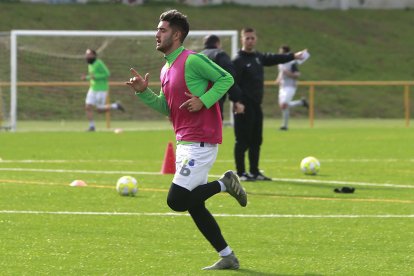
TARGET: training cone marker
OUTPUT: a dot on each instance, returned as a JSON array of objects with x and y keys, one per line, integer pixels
[
  {"x": 78, "y": 183},
  {"x": 168, "y": 167}
]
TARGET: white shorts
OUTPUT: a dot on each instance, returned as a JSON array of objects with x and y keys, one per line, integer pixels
[
  {"x": 192, "y": 164},
  {"x": 286, "y": 94},
  {"x": 96, "y": 98}
]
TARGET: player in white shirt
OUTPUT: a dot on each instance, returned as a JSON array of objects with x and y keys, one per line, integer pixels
[{"x": 287, "y": 81}]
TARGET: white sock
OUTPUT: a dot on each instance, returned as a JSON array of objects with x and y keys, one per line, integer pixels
[
  {"x": 285, "y": 116},
  {"x": 225, "y": 252},
  {"x": 91, "y": 124},
  {"x": 114, "y": 106},
  {"x": 222, "y": 186},
  {"x": 295, "y": 103}
]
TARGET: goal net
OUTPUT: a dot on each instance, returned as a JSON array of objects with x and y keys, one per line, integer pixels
[{"x": 46, "y": 67}]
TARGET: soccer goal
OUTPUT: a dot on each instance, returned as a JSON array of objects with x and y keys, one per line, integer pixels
[{"x": 45, "y": 70}]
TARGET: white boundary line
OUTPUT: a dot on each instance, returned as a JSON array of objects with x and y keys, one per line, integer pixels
[
  {"x": 293, "y": 180},
  {"x": 29, "y": 161},
  {"x": 343, "y": 183},
  {"x": 182, "y": 215},
  {"x": 362, "y": 160},
  {"x": 78, "y": 171}
]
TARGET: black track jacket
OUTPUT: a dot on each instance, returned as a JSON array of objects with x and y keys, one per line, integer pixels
[{"x": 250, "y": 73}]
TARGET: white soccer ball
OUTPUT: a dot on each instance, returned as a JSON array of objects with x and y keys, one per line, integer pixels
[
  {"x": 127, "y": 186},
  {"x": 310, "y": 165}
]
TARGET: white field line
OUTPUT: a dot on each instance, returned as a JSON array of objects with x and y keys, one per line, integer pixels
[
  {"x": 216, "y": 215},
  {"x": 352, "y": 160},
  {"x": 387, "y": 185},
  {"x": 29, "y": 161},
  {"x": 66, "y": 128},
  {"x": 292, "y": 180},
  {"x": 78, "y": 171}
]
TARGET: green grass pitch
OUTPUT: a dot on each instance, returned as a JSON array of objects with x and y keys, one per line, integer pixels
[{"x": 294, "y": 225}]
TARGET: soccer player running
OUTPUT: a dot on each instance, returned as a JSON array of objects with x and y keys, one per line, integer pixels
[
  {"x": 287, "y": 81},
  {"x": 98, "y": 75},
  {"x": 191, "y": 87}
]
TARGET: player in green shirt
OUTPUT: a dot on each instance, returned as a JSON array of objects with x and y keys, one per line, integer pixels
[{"x": 98, "y": 75}]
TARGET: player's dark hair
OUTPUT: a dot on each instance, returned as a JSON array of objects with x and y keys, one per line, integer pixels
[
  {"x": 285, "y": 49},
  {"x": 211, "y": 41},
  {"x": 178, "y": 21}
]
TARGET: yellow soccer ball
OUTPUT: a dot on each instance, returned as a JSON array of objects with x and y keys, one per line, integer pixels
[
  {"x": 310, "y": 165},
  {"x": 127, "y": 186}
]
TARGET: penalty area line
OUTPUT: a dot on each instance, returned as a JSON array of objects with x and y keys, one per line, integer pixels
[
  {"x": 27, "y": 212},
  {"x": 249, "y": 193},
  {"x": 335, "y": 182},
  {"x": 343, "y": 183},
  {"x": 78, "y": 171},
  {"x": 292, "y": 180}
]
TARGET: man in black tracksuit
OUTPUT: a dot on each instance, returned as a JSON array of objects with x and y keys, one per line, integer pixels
[{"x": 248, "y": 127}]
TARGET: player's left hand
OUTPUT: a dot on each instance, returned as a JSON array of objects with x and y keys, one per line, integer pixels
[{"x": 193, "y": 104}]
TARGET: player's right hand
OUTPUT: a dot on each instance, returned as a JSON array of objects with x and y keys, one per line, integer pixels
[{"x": 137, "y": 82}]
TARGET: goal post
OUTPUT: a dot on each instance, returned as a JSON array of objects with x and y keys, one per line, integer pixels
[{"x": 45, "y": 66}]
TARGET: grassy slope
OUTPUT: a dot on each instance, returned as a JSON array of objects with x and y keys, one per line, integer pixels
[
  {"x": 351, "y": 45},
  {"x": 354, "y": 45}
]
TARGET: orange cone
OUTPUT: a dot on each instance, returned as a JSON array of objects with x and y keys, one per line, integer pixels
[{"x": 168, "y": 167}]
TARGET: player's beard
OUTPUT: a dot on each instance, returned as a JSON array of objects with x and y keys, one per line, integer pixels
[{"x": 165, "y": 45}]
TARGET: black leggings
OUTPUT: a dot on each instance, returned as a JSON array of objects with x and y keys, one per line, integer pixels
[{"x": 180, "y": 199}]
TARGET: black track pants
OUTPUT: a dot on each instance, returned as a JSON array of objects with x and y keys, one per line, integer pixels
[{"x": 248, "y": 129}]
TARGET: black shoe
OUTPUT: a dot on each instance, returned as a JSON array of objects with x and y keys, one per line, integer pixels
[
  {"x": 345, "y": 190},
  {"x": 283, "y": 128},
  {"x": 261, "y": 177},
  {"x": 91, "y": 128},
  {"x": 246, "y": 177},
  {"x": 120, "y": 107},
  {"x": 305, "y": 103}
]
